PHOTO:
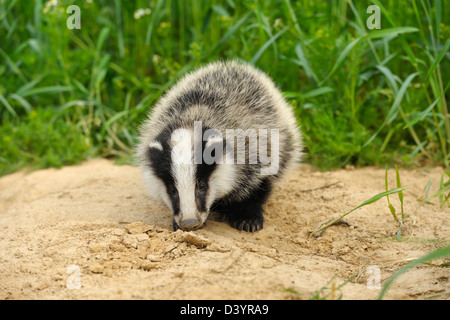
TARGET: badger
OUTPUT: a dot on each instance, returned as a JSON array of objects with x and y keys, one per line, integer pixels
[{"x": 218, "y": 141}]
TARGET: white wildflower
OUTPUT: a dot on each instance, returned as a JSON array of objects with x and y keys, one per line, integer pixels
[
  {"x": 49, "y": 4},
  {"x": 141, "y": 12}
]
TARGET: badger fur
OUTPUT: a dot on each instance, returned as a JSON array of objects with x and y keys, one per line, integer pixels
[{"x": 190, "y": 124}]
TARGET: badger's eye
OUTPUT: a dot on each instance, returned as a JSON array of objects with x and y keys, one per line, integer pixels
[
  {"x": 172, "y": 190},
  {"x": 202, "y": 186}
]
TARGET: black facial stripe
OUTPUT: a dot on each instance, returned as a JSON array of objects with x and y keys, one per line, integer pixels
[
  {"x": 202, "y": 175},
  {"x": 204, "y": 171},
  {"x": 161, "y": 165}
]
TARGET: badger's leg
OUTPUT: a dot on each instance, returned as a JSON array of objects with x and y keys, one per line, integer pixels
[{"x": 248, "y": 214}]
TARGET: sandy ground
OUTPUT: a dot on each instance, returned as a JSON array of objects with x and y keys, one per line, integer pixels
[{"x": 92, "y": 227}]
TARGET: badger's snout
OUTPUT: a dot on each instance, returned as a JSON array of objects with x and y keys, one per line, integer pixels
[{"x": 190, "y": 224}]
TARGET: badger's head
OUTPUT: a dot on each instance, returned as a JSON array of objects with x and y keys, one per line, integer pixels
[{"x": 177, "y": 172}]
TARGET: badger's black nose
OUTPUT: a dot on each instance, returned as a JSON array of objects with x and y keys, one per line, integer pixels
[{"x": 190, "y": 224}]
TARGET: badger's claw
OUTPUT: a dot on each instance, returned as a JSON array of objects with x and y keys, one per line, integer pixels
[{"x": 249, "y": 225}]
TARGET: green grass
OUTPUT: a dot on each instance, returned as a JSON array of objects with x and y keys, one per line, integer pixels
[
  {"x": 42, "y": 139},
  {"x": 361, "y": 96}
]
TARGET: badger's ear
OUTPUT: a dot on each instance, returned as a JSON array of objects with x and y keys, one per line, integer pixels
[
  {"x": 154, "y": 152},
  {"x": 155, "y": 145}
]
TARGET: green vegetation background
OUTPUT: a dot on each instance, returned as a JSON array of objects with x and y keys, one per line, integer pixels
[{"x": 362, "y": 96}]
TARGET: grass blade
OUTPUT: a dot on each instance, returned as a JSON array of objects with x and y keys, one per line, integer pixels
[
  {"x": 25, "y": 104},
  {"x": 104, "y": 33},
  {"x": 388, "y": 74},
  {"x": 341, "y": 58},
  {"x": 304, "y": 63},
  {"x": 420, "y": 116},
  {"x": 398, "y": 99},
  {"x": 365, "y": 203},
  {"x": 7, "y": 105},
  {"x": 391, "y": 207},
  {"x": 400, "y": 197},
  {"x": 266, "y": 45},
  {"x": 383, "y": 33},
  {"x": 12, "y": 65},
  {"x": 399, "y": 185},
  {"x": 294, "y": 19},
  {"x": 394, "y": 108},
  {"x": 443, "y": 188},
  {"x": 44, "y": 90},
  {"x": 317, "y": 92},
  {"x": 426, "y": 191},
  {"x": 230, "y": 32},
  {"x": 120, "y": 40},
  {"x": 23, "y": 89},
  {"x": 438, "y": 59},
  {"x": 436, "y": 254},
  {"x": 310, "y": 94},
  {"x": 155, "y": 15}
]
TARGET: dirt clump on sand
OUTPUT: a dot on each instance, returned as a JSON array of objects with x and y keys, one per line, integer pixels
[{"x": 90, "y": 232}]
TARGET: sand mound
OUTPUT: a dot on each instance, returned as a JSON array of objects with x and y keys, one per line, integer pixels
[{"x": 89, "y": 232}]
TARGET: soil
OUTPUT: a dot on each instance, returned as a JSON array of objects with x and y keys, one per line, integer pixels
[{"x": 91, "y": 232}]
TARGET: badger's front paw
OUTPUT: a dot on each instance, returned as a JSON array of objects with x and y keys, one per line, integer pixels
[{"x": 251, "y": 224}]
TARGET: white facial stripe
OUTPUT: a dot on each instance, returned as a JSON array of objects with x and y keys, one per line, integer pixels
[
  {"x": 185, "y": 183},
  {"x": 183, "y": 170}
]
